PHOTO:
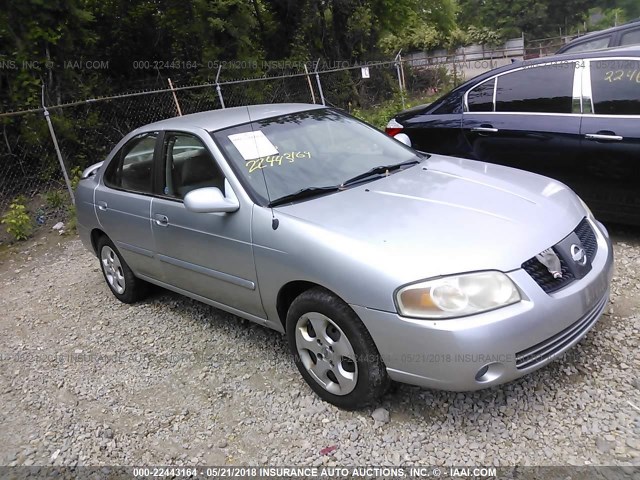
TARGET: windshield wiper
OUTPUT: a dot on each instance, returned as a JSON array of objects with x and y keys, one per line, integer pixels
[
  {"x": 303, "y": 193},
  {"x": 376, "y": 171}
]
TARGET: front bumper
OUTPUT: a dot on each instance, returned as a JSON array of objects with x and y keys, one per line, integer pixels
[{"x": 488, "y": 349}]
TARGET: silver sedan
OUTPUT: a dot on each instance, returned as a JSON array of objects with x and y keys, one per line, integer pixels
[{"x": 377, "y": 261}]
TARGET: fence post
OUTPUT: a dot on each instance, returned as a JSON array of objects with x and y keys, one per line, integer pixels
[
  {"x": 218, "y": 89},
  {"x": 57, "y": 147},
  {"x": 313, "y": 95},
  {"x": 175, "y": 97},
  {"x": 319, "y": 84},
  {"x": 398, "y": 61}
]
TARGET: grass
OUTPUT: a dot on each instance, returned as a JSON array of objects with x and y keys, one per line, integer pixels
[{"x": 380, "y": 115}]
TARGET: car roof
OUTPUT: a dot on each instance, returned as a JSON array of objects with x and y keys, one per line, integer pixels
[{"x": 227, "y": 117}]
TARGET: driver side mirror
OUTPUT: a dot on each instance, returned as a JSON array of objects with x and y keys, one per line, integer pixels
[{"x": 210, "y": 200}]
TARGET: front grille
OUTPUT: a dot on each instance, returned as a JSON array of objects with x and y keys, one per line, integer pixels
[
  {"x": 588, "y": 238},
  {"x": 550, "y": 347},
  {"x": 543, "y": 278},
  {"x": 541, "y": 275}
]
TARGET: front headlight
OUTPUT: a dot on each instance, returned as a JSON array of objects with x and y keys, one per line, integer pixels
[{"x": 457, "y": 295}]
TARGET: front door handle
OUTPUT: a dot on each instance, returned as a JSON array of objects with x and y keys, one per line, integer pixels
[
  {"x": 484, "y": 129},
  {"x": 604, "y": 137},
  {"x": 102, "y": 206},
  {"x": 161, "y": 220}
]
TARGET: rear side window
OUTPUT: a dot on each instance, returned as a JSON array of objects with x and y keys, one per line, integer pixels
[
  {"x": 630, "y": 38},
  {"x": 132, "y": 168},
  {"x": 449, "y": 104},
  {"x": 615, "y": 86},
  {"x": 538, "y": 89},
  {"x": 480, "y": 99},
  {"x": 596, "y": 44}
]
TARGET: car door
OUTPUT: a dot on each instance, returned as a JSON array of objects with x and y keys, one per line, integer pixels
[
  {"x": 123, "y": 203},
  {"x": 206, "y": 254},
  {"x": 527, "y": 118},
  {"x": 611, "y": 138}
]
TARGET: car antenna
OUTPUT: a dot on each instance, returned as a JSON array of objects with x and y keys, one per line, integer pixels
[{"x": 274, "y": 221}]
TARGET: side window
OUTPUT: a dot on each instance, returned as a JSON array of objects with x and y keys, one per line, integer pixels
[
  {"x": 615, "y": 86},
  {"x": 480, "y": 99},
  {"x": 541, "y": 89},
  {"x": 132, "y": 168},
  {"x": 188, "y": 165},
  {"x": 596, "y": 44},
  {"x": 630, "y": 38}
]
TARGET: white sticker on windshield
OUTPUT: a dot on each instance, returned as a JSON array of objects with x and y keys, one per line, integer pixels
[{"x": 253, "y": 145}]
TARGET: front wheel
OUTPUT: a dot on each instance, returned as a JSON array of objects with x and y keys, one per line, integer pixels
[{"x": 333, "y": 350}]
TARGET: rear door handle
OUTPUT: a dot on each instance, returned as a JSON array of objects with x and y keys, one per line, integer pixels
[
  {"x": 102, "y": 206},
  {"x": 161, "y": 220},
  {"x": 484, "y": 130},
  {"x": 602, "y": 137}
]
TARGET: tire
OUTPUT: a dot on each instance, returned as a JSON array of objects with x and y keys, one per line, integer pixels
[
  {"x": 334, "y": 352},
  {"x": 121, "y": 281}
]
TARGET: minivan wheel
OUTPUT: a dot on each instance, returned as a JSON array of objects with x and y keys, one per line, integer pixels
[
  {"x": 333, "y": 350},
  {"x": 119, "y": 277}
]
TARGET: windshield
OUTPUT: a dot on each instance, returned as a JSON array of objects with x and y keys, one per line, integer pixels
[{"x": 316, "y": 148}]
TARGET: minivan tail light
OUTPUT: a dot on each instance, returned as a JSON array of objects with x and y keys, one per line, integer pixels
[{"x": 393, "y": 128}]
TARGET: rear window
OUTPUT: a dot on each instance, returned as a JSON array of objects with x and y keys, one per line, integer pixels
[{"x": 615, "y": 86}]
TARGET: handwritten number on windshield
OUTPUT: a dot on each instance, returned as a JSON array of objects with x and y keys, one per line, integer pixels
[{"x": 273, "y": 160}]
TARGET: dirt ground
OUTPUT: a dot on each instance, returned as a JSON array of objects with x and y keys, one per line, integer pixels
[{"x": 86, "y": 380}]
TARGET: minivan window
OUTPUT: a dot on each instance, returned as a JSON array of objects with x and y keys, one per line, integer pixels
[
  {"x": 615, "y": 86},
  {"x": 596, "y": 44},
  {"x": 630, "y": 38},
  {"x": 537, "y": 89},
  {"x": 480, "y": 99}
]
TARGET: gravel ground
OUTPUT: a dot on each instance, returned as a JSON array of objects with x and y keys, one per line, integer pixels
[{"x": 86, "y": 380}]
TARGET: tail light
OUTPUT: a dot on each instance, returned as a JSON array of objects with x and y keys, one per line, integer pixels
[{"x": 393, "y": 128}]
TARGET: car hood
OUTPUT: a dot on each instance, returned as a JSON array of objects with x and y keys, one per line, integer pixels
[{"x": 445, "y": 215}]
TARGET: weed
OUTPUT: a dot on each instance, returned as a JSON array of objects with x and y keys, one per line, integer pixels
[{"x": 17, "y": 220}]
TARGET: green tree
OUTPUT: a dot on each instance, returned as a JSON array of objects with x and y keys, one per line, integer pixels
[
  {"x": 536, "y": 19},
  {"x": 37, "y": 36}
]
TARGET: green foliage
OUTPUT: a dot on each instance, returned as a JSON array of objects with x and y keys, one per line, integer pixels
[
  {"x": 483, "y": 36},
  {"x": 536, "y": 19},
  {"x": 17, "y": 220},
  {"x": 76, "y": 176},
  {"x": 610, "y": 18},
  {"x": 380, "y": 115},
  {"x": 55, "y": 199}
]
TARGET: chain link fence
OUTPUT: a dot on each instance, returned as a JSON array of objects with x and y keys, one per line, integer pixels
[{"x": 31, "y": 170}]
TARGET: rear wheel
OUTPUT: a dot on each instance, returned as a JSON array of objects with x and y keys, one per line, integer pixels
[
  {"x": 333, "y": 350},
  {"x": 123, "y": 283}
]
